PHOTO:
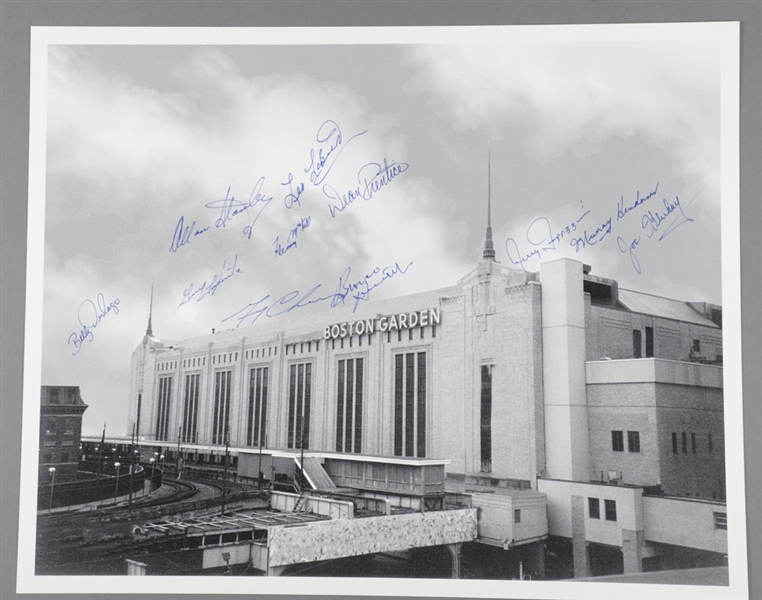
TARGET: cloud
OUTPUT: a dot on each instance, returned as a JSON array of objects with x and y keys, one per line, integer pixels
[
  {"x": 571, "y": 98},
  {"x": 126, "y": 162}
]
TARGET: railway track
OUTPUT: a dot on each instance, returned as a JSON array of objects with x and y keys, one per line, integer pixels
[{"x": 181, "y": 490}]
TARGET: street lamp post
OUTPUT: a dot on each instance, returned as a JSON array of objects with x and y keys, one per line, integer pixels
[
  {"x": 116, "y": 487},
  {"x": 52, "y": 471},
  {"x": 259, "y": 476}
]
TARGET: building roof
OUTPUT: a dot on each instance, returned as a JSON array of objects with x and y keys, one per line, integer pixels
[
  {"x": 61, "y": 395},
  {"x": 658, "y": 306}
]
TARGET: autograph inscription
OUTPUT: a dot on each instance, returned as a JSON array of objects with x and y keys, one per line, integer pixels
[
  {"x": 543, "y": 238},
  {"x": 651, "y": 223},
  {"x": 209, "y": 288},
  {"x": 89, "y": 315},
  {"x": 372, "y": 178},
  {"x": 330, "y": 146},
  {"x": 346, "y": 287},
  {"x": 280, "y": 250}
]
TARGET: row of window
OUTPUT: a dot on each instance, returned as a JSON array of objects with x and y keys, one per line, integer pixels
[
  {"x": 681, "y": 442},
  {"x": 67, "y": 427},
  {"x": 633, "y": 441},
  {"x": 58, "y": 395},
  {"x": 409, "y": 406},
  {"x": 594, "y": 509},
  {"x": 637, "y": 341},
  {"x": 55, "y": 457},
  {"x": 289, "y": 349}
]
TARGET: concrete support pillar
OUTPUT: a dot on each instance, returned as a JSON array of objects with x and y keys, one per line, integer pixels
[
  {"x": 455, "y": 553},
  {"x": 632, "y": 550},
  {"x": 539, "y": 558},
  {"x": 276, "y": 571},
  {"x": 563, "y": 363},
  {"x": 579, "y": 544}
]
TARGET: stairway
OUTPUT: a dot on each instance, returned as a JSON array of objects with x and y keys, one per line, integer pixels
[
  {"x": 300, "y": 503},
  {"x": 315, "y": 474}
]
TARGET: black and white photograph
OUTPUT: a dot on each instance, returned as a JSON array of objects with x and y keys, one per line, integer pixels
[{"x": 448, "y": 311}]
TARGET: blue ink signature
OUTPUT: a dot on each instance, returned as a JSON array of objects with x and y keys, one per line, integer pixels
[
  {"x": 323, "y": 157},
  {"x": 629, "y": 247},
  {"x": 230, "y": 208},
  {"x": 590, "y": 239},
  {"x": 209, "y": 289},
  {"x": 358, "y": 290},
  {"x": 89, "y": 315},
  {"x": 293, "y": 196},
  {"x": 653, "y": 220},
  {"x": 280, "y": 250},
  {"x": 540, "y": 235},
  {"x": 651, "y": 223},
  {"x": 183, "y": 234},
  {"x": 622, "y": 210},
  {"x": 372, "y": 177}
]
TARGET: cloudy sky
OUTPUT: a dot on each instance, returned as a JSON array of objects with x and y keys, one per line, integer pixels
[{"x": 266, "y": 170}]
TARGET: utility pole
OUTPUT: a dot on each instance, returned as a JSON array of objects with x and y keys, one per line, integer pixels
[
  {"x": 301, "y": 448},
  {"x": 225, "y": 479},
  {"x": 132, "y": 465},
  {"x": 259, "y": 475}
]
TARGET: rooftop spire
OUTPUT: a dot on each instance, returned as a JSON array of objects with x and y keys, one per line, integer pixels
[
  {"x": 149, "y": 329},
  {"x": 489, "y": 246}
]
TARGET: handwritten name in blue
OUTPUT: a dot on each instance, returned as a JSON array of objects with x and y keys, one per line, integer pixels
[
  {"x": 294, "y": 194},
  {"x": 210, "y": 288},
  {"x": 229, "y": 208},
  {"x": 541, "y": 236},
  {"x": 372, "y": 178},
  {"x": 347, "y": 288},
  {"x": 89, "y": 315},
  {"x": 183, "y": 234},
  {"x": 330, "y": 146},
  {"x": 291, "y": 240},
  {"x": 651, "y": 222}
]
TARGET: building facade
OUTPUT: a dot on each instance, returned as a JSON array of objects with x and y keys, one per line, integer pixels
[{"x": 557, "y": 381}]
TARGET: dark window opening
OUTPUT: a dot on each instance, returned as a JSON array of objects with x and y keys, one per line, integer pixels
[
  {"x": 410, "y": 404},
  {"x": 610, "y": 506},
  {"x": 190, "y": 409},
  {"x": 162, "y": 416},
  {"x": 222, "y": 389},
  {"x": 633, "y": 441},
  {"x": 486, "y": 419},
  {"x": 349, "y": 405},
  {"x": 649, "y": 342},
  {"x": 636, "y": 343},
  {"x": 674, "y": 442},
  {"x": 299, "y": 401},
  {"x": 594, "y": 508},
  {"x": 617, "y": 441},
  {"x": 255, "y": 435}
]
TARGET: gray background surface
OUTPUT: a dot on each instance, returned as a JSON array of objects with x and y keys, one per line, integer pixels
[{"x": 17, "y": 16}]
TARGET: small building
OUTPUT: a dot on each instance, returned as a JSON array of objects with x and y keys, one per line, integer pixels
[{"x": 61, "y": 410}]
